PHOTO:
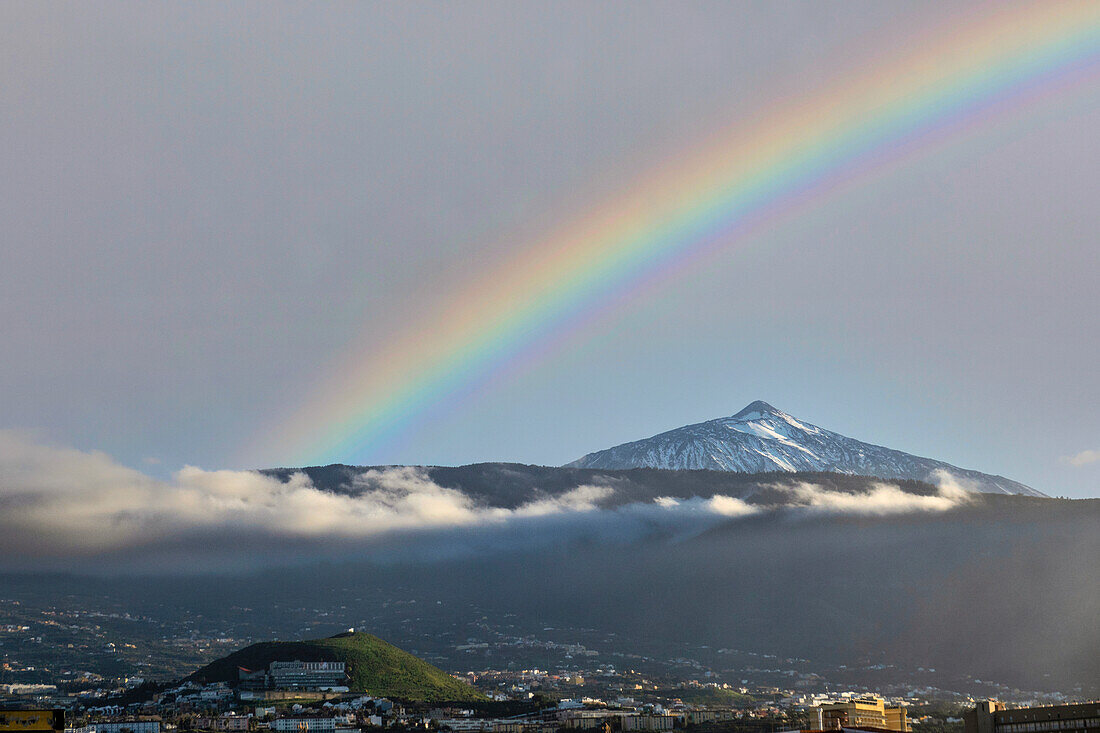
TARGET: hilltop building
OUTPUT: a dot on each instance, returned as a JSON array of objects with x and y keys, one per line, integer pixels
[
  {"x": 321, "y": 676},
  {"x": 305, "y": 725}
]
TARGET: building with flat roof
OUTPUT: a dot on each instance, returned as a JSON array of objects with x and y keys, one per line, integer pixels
[
  {"x": 994, "y": 717},
  {"x": 897, "y": 718},
  {"x": 331, "y": 676},
  {"x": 307, "y": 675},
  {"x": 305, "y": 725},
  {"x": 863, "y": 712},
  {"x": 120, "y": 726}
]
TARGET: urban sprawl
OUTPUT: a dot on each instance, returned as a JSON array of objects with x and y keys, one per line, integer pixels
[{"x": 292, "y": 696}]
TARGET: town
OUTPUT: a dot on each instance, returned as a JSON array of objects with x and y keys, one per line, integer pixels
[
  {"x": 105, "y": 666},
  {"x": 295, "y": 696}
]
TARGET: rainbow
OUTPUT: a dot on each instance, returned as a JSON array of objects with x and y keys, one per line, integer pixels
[{"x": 707, "y": 201}]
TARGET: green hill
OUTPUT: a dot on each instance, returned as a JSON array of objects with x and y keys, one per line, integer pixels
[{"x": 374, "y": 666}]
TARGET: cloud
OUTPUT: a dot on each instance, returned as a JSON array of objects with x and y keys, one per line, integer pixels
[
  {"x": 727, "y": 506},
  {"x": 581, "y": 499},
  {"x": 1083, "y": 458},
  {"x": 59, "y": 502},
  {"x": 86, "y": 501},
  {"x": 63, "y": 505},
  {"x": 882, "y": 499},
  {"x": 954, "y": 486}
]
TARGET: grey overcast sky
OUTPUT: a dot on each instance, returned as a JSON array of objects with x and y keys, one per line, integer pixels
[{"x": 203, "y": 203}]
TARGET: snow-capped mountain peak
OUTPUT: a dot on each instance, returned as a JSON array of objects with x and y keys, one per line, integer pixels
[
  {"x": 756, "y": 410},
  {"x": 761, "y": 438}
]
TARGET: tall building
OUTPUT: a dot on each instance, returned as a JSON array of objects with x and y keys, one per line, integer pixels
[
  {"x": 866, "y": 712},
  {"x": 897, "y": 718},
  {"x": 993, "y": 717}
]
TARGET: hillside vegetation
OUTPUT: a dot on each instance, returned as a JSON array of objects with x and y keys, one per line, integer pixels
[{"x": 374, "y": 666}]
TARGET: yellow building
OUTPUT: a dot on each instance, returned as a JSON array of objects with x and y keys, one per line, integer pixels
[
  {"x": 897, "y": 719},
  {"x": 867, "y": 712},
  {"x": 32, "y": 721}
]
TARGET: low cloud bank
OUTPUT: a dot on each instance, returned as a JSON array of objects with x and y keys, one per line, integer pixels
[
  {"x": 63, "y": 500},
  {"x": 881, "y": 500},
  {"x": 62, "y": 507}
]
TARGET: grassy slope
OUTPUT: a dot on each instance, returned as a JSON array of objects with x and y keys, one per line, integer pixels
[{"x": 374, "y": 666}]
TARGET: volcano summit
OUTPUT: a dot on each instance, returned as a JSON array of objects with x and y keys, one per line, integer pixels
[{"x": 762, "y": 438}]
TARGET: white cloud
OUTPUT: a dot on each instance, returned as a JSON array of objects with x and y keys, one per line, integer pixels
[
  {"x": 68, "y": 501},
  {"x": 1083, "y": 458},
  {"x": 61, "y": 503},
  {"x": 955, "y": 486},
  {"x": 881, "y": 499},
  {"x": 728, "y": 506},
  {"x": 580, "y": 499}
]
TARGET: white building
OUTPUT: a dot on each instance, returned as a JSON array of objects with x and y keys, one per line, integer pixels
[
  {"x": 130, "y": 726},
  {"x": 308, "y": 676},
  {"x": 305, "y": 725},
  {"x": 650, "y": 722}
]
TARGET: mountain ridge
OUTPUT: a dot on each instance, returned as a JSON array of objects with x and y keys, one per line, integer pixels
[{"x": 761, "y": 438}]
